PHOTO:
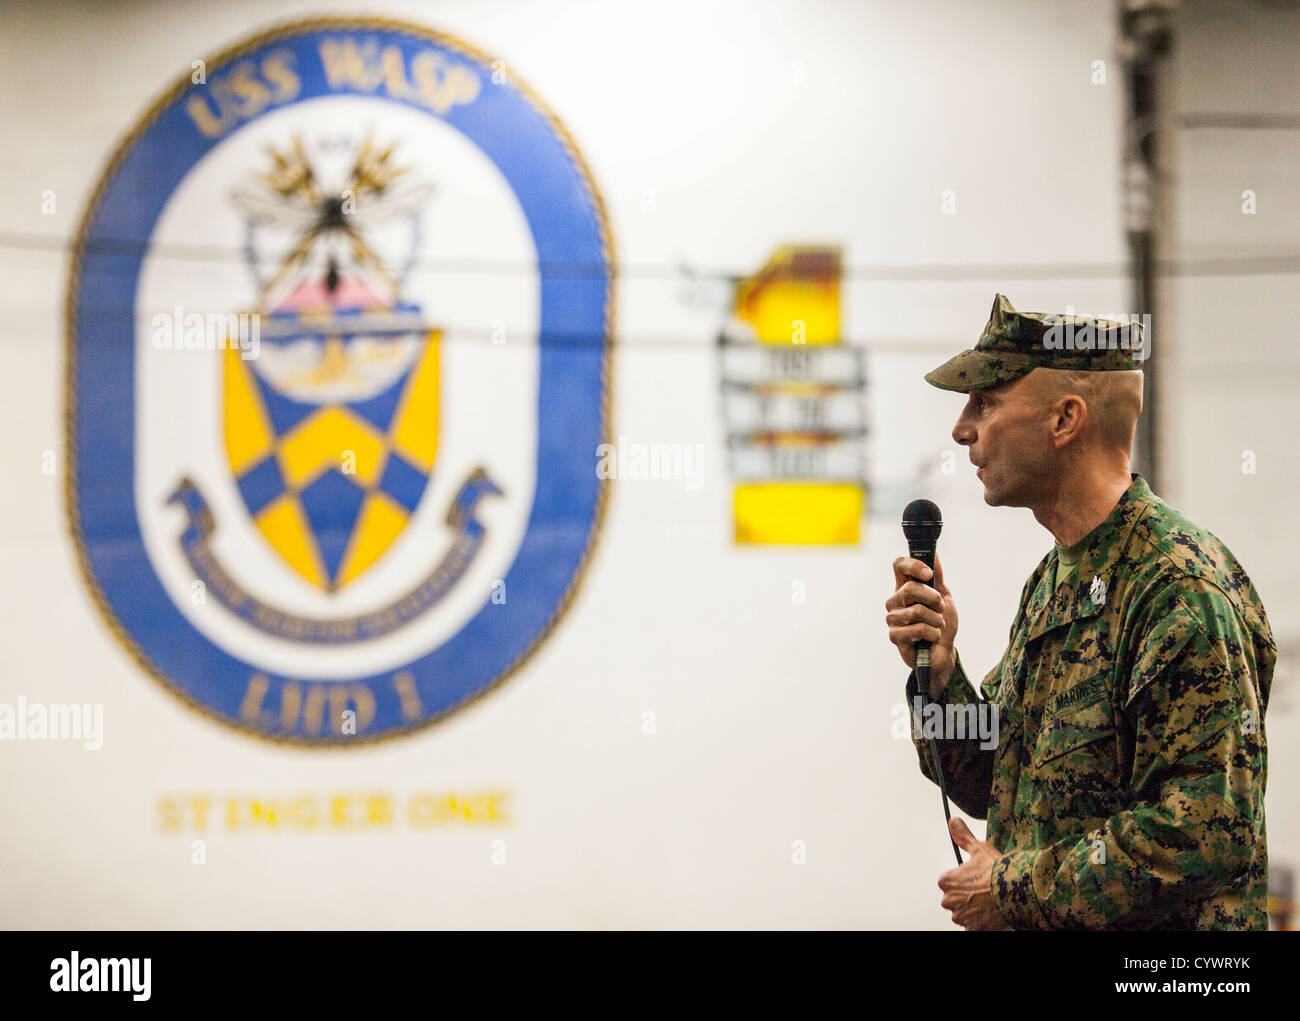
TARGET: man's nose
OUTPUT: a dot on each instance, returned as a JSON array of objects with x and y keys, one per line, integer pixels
[{"x": 963, "y": 433}]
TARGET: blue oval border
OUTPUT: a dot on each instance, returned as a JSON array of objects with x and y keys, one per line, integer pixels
[{"x": 570, "y": 229}]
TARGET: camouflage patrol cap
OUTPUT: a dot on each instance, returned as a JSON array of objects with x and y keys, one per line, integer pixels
[{"x": 1013, "y": 343}]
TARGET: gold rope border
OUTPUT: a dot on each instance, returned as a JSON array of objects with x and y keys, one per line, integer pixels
[{"x": 167, "y": 99}]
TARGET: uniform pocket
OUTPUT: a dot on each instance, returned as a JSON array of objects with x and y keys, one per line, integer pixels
[{"x": 1075, "y": 725}]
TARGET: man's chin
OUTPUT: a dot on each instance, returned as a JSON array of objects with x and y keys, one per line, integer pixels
[
  {"x": 1002, "y": 499},
  {"x": 995, "y": 498}
]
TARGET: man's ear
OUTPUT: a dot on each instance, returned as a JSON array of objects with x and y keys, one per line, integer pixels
[{"x": 1069, "y": 416}]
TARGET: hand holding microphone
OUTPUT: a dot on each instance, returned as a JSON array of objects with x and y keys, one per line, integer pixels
[
  {"x": 923, "y": 622},
  {"x": 921, "y": 614}
]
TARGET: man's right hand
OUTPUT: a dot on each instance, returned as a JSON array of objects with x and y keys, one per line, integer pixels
[{"x": 918, "y": 613}]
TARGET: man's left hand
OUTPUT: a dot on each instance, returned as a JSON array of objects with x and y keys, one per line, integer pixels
[{"x": 967, "y": 889}]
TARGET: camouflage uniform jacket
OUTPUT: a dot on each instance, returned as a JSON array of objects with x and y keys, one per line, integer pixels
[{"x": 1126, "y": 788}]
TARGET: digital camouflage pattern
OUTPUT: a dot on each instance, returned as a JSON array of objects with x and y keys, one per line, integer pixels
[
  {"x": 1126, "y": 790},
  {"x": 1013, "y": 343}
]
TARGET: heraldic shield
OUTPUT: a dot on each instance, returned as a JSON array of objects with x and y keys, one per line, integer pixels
[
  {"x": 331, "y": 439},
  {"x": 331, "y": 433}
]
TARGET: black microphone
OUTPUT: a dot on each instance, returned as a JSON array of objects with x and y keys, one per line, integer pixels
[{"x": 922, "y": 524}]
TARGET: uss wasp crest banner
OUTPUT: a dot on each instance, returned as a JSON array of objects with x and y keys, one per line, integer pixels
[{"x": 338, "y": 366}]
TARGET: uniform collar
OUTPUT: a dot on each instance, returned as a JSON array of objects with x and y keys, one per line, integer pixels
[{"x": 1102, "y": 547}]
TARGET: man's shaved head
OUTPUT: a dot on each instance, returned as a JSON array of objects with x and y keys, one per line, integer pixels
[{"x": 1113, "y": 399}]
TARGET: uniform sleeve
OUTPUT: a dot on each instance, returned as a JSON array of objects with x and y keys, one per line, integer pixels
[
  {"x": 1196, "y": 784},
  {"x": 967, "y": 768}
]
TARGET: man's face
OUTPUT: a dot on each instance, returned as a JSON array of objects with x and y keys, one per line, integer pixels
[{"x": 1008, "y": 432}]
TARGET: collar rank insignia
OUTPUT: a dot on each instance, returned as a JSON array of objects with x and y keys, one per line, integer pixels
[{"x": 1097, "y": 591}]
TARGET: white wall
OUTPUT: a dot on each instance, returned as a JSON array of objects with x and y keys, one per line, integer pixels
[{"x": 1232, "y": 365}]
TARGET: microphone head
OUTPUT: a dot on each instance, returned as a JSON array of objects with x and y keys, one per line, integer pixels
[{"x": 922, "y": 522}]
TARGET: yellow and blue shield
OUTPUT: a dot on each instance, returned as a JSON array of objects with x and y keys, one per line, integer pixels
[{"x": 332, "y": 459}]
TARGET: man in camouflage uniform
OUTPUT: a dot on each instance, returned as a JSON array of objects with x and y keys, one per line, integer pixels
[{"x": 1126, "y": 788}]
